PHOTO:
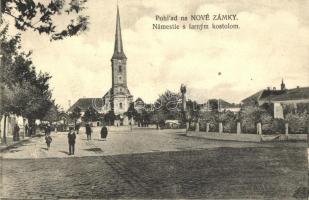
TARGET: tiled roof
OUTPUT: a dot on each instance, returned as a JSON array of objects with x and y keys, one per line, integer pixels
[
  {"x": 287, "y": 95},
  {"x": 85, "y": 103},
  {"x": 108, "y": 93},
  {"x": 253, "y": 98},
  {"x": 278, "y": 95}
]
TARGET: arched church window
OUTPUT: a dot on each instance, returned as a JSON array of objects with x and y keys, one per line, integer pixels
[
  {"x": 120, "y": 105},
  {"x": 120, "y": 79},
  {"x": 120, "y": 68}
]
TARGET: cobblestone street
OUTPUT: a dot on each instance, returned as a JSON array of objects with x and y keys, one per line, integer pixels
[{"x": 153, "y": 164}]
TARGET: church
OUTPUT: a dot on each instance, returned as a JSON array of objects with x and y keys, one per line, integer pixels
[{"x": 118, "y": 98}]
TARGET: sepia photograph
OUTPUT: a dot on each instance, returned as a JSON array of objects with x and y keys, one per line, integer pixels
[{"x": 165, "y": 99}]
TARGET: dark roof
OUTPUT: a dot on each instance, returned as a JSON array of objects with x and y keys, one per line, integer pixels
[
  {"x": 253, "y": 98},
  {"x": 223, "y": 104},
  {"x": 278, "y": 95},
  {"x": 139, "y": 100},
  {"x": 286, "y": 95},
  {"x": 266, "y": 94},
  {"x": 85, "y": 103}
]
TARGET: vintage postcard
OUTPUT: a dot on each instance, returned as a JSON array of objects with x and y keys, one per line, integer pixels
[{"x": 164, "y": 99}]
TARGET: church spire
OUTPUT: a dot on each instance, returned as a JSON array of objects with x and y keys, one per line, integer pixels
[
  {"x": 282, "y": 85},
  {"x": 118, "y": 49}
]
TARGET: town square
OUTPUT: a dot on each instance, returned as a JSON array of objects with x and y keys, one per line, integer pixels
[{"x": 95, "y": 104}]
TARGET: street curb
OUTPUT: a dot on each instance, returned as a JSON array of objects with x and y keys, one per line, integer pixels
[
  {"x": 226, "y": 136},
  {"x": 6, "y": 148}
]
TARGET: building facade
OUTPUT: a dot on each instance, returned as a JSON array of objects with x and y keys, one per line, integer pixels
[{"x": 279, "y": 98}]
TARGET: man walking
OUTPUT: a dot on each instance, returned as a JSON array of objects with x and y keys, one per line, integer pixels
[
  {"x": 71, "y": 140},
  {"x": 88, "y": 131},
  {"x": 48, "y": 140}
]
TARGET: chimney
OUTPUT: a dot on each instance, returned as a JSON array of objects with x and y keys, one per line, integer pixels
[
  {"x": 297, "y": 87},
  {"x": 268, "y": 88},
  {"x": 69, "y": 103}
]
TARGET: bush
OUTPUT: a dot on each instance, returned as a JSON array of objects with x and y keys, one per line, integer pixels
[
  {"x": 297, "y": 122},
  {"x": 278, "y": 126},
  {"x": 229, "y": 121},
  {"x": 213, "y": 127},
  {"x": 251, "y": 115}
]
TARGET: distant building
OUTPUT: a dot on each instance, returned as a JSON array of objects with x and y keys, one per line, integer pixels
[
  {"x": 219, "y": 105},
  {"x": 278, "y": 98},
  {"x": 85, "y": 103},
  {"x": 118, "y": 98},
  {"x": 140, "y": 105}
]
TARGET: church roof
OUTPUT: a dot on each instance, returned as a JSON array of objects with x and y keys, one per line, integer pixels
[
  {"x": 85, "y": 103},
  {"x": 118, "y": 49}
]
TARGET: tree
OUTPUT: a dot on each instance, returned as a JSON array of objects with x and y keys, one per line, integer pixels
[
  {"x": 169, "y": 104},
  {"x": 158, "y": 117},
  {"x": 131, "y": 114},
  {"x": 40, "y": 16},
  {"x": 91, "y": 114},
  {"x": 110, "y": 117},
  {"x": 75, "y": 114},
  {"x": 193, "y": 112},
  {"x": 52, "y": 114},
  {"x": 145, "y": 118},
  {"x": 24, "y": 92}
]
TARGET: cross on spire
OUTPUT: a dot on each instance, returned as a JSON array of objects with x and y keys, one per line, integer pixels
[{"x": 118, "y": 49}]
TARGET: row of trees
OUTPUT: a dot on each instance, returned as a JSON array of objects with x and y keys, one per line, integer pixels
[
  {"x": 23, "y": 90},
  {"x": 169, "y": 107},
  {"x": 91, "y": 115}
]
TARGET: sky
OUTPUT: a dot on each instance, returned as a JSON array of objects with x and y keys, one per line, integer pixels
[{"x": 271, "y": 43}]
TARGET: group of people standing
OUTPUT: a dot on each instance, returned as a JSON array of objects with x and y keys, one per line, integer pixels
[{"x": 72, "y": 136}]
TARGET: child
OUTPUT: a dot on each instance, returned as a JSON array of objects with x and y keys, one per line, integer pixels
[{"x": 48, "y": 140}]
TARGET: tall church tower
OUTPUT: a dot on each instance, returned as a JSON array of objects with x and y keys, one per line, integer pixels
[{"x": 120, "y": 94}]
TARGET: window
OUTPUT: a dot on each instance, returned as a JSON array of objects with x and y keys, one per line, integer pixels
[
  {"x": 119, "y": 68},
  {"x": 120, "y": 89},
  {"x": 120, "y": 105},
  {"x": 120, "y": 79}
]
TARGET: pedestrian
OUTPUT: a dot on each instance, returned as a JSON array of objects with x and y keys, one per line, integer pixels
[
  {"x": 88, "y": 131},
  {"x": 104, "y": 133},
  {"x": 26, "y": 129},
  {"x": 71, "y": 140},
  {"x": 48, "y": 140},
  {"x": 16, "y": 133},
  {"x": 77, "y": 126},
  {"x": 47, "y": 129}
]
